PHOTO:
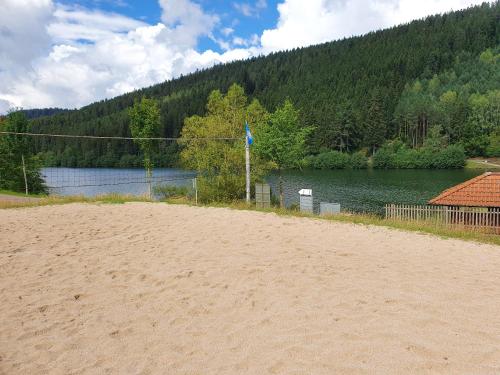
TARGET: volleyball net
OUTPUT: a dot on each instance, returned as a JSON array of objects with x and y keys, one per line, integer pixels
[{"x": 96, "y": 165}]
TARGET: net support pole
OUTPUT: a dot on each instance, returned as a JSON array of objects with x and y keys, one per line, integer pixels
[
  {"x": 150, "y": 185},
  {"x": 24, "y": 174},
  {"x": 247, "y": 165},
  {"x": 195, "y": 186}
]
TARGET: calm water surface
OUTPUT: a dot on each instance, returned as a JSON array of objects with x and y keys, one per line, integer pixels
[
  {"x": 355, "y": 190},
  {"x": 369, "y": 190},
  {"x": 98, "y": 181}
]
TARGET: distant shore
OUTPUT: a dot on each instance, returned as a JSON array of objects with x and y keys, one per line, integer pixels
[{"x": 483, "y": 163}]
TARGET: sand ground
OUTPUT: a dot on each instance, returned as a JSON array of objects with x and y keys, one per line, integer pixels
[{"x": 159, "y": 289}]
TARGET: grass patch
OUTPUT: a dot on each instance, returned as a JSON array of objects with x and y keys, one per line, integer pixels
[
  {"x": 17, "y": 194},
  {"x": 56, "y": 200},
  {"x": 480, "y": 165}
]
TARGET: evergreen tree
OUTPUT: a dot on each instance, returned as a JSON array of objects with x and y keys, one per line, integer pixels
[
  {"x": 375, "y": 124},
  {"x": 411, "y": 66}
]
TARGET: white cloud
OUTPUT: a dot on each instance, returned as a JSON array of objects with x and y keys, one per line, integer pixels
[
  {"x": 244, "y": 8},
  {"x": 303, "y": 23},
  {"x": 253, "y": 40},
  {"x": 239, "y": 41},
  {"x": 261, "y": 4},
  {"x": 23, "y": 34},
  {"x": 73, "y": 24},
  {"x": 187, "y": 21},
  {"x": 402, "y": 11},
  {"x": 249, "y": 10},
  {"x": 91, "y": 55},
  {"x": 5, "y": 105},
  {"x": 227, "y": 31},
  {"x": 67, "y": 56}
]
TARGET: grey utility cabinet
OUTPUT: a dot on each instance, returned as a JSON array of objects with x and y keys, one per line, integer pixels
[
  {"x": 306, "y": 200},
  {"x": 326, "y": 208},
  {"x": 262, "y": 195}
]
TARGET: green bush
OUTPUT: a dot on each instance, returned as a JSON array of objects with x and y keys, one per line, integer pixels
[
  {"x": 308, "y": 162},
  {"x": 336, "y": 160},
  {"x": 359, "y": 161},
  {"x": 395, "y": 155},
  {"x": 331, "y": 160},
  {"x": 384, "y": 159},
  {"x": 450, "y": 157},
  {"x": 130, "y": 161},
  {"x": 476, "y": 146},
  {"x": 48, "y": 159},
  {"x": 493, "y": 149},
  {"x": 169, "y": 191},
  {"x": 408, "y": 159}
]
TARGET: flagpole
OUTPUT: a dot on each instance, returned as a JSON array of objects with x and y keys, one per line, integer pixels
[{"x": 247, "y": 165}]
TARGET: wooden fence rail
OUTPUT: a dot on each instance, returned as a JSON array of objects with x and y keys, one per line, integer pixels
[{"x": 470, "y": 218}]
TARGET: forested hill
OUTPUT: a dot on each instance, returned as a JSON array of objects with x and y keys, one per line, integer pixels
[
  {"x": 335, "y": 85},
  {"x": 42, "y": 112}
]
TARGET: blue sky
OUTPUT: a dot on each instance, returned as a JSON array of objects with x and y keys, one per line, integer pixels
[
  {"x": 71, "y": 53},
  {"x": 247, "y": 18},
  {"x": 148, "y": 10}
]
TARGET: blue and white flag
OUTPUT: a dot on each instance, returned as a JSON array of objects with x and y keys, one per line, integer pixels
[{"x": 249, "y": 135}]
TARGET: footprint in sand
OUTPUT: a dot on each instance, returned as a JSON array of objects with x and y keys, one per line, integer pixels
[{"x": 277, "y": 367}]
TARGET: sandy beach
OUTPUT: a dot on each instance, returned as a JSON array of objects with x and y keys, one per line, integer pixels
[{"x": 144, "y": 288}]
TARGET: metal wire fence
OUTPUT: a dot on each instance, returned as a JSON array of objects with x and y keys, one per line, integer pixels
[
  {"x": 129, "y": 181},
  {"x": 93, "y": 165},
  {"x": 65, "y": 178}
]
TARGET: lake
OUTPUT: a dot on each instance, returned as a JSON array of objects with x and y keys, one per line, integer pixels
[
  {"x": 356, "y": 190},
  {"x": 98, "y": 181},
  {"x": 370, "y": 190}
]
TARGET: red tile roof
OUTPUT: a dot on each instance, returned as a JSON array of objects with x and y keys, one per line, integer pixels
[{"x": 481, "y": 191}]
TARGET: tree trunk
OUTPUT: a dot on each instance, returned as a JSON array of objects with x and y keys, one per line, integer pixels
[{"x": 282, "y": 199}]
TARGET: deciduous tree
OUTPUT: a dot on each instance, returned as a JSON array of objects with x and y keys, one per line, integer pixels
[
  {"x": 17, "y": 159},
  {"x": 282, "y": 141},
  {"x": 144, "y": 124},
  {"x": 213, "y": 145}
]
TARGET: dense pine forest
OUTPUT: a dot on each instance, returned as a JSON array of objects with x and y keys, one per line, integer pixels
[
  {"x": 439, "y": 76},
  {"x": 36, "y": 113}
]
